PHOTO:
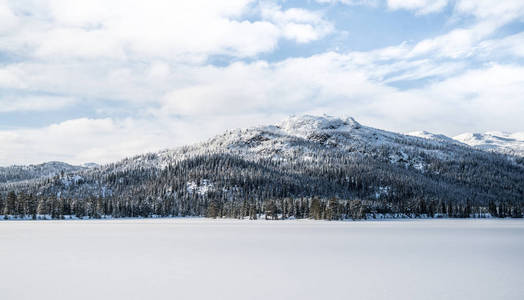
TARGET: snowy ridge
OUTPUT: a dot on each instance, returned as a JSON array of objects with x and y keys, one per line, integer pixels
[
  {"x": 432, "y": 136},
  {"x": 48, "y": 169},
  {"x": 502, "y": 142},
  {"x": 298, "y": 138}
]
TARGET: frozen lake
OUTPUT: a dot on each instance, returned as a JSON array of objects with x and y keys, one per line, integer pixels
[{"x": 229, "y": 259}]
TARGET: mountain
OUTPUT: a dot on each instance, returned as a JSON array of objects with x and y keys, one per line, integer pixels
[
  {"x": 509, "y": 143},
  {"x": 49, "y": 169},
  {"x": 304, "y": 166},
  {"x": 506, "y": 143},
  {"x": 432, "y": 136}
]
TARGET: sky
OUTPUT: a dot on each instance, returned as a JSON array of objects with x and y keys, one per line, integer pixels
[{"x": 99, "y": 80}]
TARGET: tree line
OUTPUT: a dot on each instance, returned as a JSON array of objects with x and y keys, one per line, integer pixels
[{"x": 27, "y": 206}]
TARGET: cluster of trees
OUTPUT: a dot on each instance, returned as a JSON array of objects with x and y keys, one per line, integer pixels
[{"x": 28, "y": 206}]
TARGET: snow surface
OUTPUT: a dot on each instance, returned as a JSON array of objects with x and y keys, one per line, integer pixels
[{"x": 233, "y": 259}]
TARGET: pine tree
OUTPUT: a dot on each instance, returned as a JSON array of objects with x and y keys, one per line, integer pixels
[
  {"x": 271, "y": 210},
  {"x": 41, "y": 208},
  {"x": 10, "y": 205},
  {"x": 252, "y": 212},
  {"x": 212, "y": 210},
  {"x": 315, "y": 209},
  {"x": 31, "y": 206},
  {"x": 332, "y": 210},
  {"x": 492, "y": 208}
]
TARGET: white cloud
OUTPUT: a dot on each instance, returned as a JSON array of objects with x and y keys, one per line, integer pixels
[
  {"x": 7, "y": 18},
  {"x": 420, "y": 6},
  {"x": 288, "y": 86},
  {"x": 501, "y": 11},
  {"x": 77, "y": 141},
  {"x": 350, "y": 2},
  {"x": 485, "y": 98},
  {"x": 459, "y": 43},
  {"x": 34, "y": 103},
  {"x": 456, "y": 43},
  {"x": 297, "y": 24},
  {"x": 509, "y": 46},
  {"x": 186, "y": 31}
]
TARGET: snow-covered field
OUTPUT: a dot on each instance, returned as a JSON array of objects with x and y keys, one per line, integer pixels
[{"x": 229, "y": 259}]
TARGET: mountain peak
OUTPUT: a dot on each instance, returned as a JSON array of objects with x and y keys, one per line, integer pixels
[{"x": 305, "y": 124}]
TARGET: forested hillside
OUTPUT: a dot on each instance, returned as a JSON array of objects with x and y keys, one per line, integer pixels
[
  {"x": 304, "y": 167},
  {"x": 20, "y": 173}
]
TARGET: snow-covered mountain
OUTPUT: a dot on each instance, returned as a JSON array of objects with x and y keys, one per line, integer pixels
[
  {"x": 432, "y": 136},
  {"x": 302, "y": 156},
  {"x": 509, "y": 143},
  {"x": 493, "y": 141},
  {"x": 299, "y": 138},
  {"x": 281, "y": 142},
  {"x": 48, "y": 169}
]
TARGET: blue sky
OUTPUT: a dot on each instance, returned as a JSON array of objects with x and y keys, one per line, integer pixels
[{"x": 97, "y": 80}]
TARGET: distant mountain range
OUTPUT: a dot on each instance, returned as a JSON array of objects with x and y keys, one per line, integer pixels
[
  {"x": 44, "y": 170},
  {"x": 23, "y": 173},
  {"x": 507, "y": 143},
  {"x": 304, "y": 157}
]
